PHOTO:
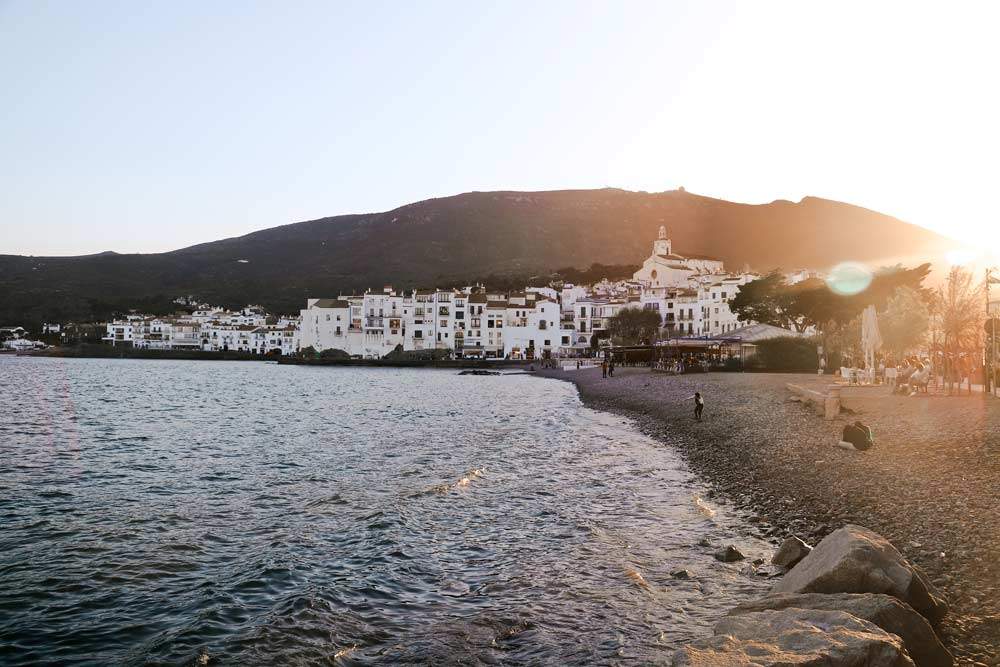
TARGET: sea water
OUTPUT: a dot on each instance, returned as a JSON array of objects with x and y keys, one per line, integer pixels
[{"x": 183, "y": 512}]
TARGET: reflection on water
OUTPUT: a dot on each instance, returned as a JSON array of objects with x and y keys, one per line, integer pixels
[{"x": 249, "y": 513}]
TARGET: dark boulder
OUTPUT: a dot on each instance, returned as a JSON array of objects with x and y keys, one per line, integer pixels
[
  {"x": 791, "y": 551},
  {"x": 729, "y": 554}
]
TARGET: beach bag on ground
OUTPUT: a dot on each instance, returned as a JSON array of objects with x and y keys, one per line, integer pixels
[{"x": 860, "y": 436}]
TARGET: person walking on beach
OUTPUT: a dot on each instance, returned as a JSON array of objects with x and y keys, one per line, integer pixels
[
  {"x": 604, "y": 369},
  {"x": 699, "y": 404}
]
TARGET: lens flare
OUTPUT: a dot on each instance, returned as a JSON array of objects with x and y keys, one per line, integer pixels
[{"x": 849, "y": 278}]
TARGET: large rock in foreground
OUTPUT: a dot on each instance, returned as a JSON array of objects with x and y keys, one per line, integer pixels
[
  {"x": 791, "y": 637},
  {"x": 884, "y": 611},
  {"x": 856, "y": 560}
]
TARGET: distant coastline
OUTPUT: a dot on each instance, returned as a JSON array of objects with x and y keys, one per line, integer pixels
[{"x": 99, "y": 351}]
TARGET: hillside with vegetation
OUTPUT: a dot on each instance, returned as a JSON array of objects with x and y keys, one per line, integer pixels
[{"x": 501, "y": 236}]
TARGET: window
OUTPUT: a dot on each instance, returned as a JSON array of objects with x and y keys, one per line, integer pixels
[
  {"x": 547, "y": 343},
  {"x": 489, "y": 324},
  {"x": 583, "y": 312},
  {"x": 328, "y": 318}
]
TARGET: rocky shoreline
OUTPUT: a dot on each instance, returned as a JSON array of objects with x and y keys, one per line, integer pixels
[
  {"x": 930, "y": 485},
  {"x": 853, "y": 600}
]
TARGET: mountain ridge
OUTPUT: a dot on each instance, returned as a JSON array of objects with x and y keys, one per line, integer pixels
[{"x": 454, "y": 239}]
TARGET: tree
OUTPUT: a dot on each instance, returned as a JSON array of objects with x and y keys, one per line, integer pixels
[
  {"x": 811, "y": 303},
  {"x": 765, "y": 300},
  {"x": 905, "y": 321},
  {"x": 959, "y": 311},
  {"x": 634, "y": 326}
]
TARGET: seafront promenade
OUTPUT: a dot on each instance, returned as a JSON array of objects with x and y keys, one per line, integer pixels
[{"x": 929, "y": 485}]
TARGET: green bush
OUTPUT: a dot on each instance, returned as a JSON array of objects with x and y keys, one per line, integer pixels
[{"x": 785, "y": 354}]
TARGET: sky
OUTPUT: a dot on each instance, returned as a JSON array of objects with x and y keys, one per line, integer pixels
[{"x": 144, "y": 127}]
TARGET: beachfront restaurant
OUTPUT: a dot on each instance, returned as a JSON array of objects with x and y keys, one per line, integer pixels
[{"x": 681, "y": 355}]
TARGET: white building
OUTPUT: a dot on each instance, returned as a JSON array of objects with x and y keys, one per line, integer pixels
[
  {"x": 207, "y": 329},
  {"x": 664, "y": 268},
  {"x": 691, "y": 294}
]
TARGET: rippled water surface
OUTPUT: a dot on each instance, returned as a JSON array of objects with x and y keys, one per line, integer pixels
[{"x": 159, "y": 512}]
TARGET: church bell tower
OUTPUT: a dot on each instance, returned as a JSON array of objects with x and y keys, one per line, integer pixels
[{"x": 661, "y": 246}]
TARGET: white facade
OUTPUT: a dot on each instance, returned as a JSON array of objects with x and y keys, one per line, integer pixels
[
  {"x": 207, "y": 329},
  {"x": 664, "y": 268}
]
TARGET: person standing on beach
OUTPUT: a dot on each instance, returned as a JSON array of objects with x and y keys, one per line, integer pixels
[{"x": 699, "y": 404}]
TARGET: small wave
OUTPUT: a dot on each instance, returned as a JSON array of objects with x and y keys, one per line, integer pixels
[
  {"x": 335, "y": 499},
  {"x": 703, "y": 507},
  {"x": 473, "y": 474},
  {"x": 637, "y": 578},
  {"x": 463, "y": 482},
  {"x": 344, "y": 652},
  {"x": 511, "y": 631},
  {"x": 55, "y": 494}
]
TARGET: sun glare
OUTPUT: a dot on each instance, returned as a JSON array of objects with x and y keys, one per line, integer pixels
[{"x": 960, "y": 257}]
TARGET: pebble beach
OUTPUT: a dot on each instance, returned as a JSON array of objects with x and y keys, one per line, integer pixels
[{"x": 931, "y": 484}]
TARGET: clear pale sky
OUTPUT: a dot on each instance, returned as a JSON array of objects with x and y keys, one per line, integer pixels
[{"x": 143, "y": 127}]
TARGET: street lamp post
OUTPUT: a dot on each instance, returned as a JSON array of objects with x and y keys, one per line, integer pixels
[{"x": 988, "y": 384}]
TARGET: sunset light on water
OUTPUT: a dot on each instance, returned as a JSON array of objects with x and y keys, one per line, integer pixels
[{"x": 550, "y": 333}]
